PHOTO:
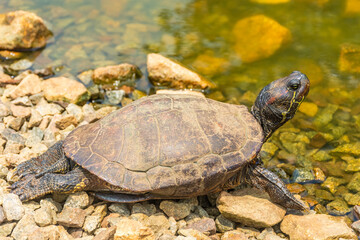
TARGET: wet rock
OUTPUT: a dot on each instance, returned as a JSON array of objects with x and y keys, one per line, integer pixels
[
  {"x": 351, "y": 148},
  {"x": 13, "y": 207},
  {"x": 270, "y": 1},
  {"x": 332, "y": 183},
  {"x": 323, "y": 194},
  {"x": 319, "y": 174},
  {"x": 120, "y": 208},
  {"x": 93, "y": 222},
  {"x": 106, "y": 234},
  {"x": 258, "y": 37},
  {"x": 317, "y": 226},
  {"x": 127, "y": 229},
  {"x": 302, "y": 175},
  {"x": 71, "y": 217},
  {"x": 352, "y": 199},
  {"x": 118, "y": 73},
  {"x": 223, "y": 224},
  {"x": 21, "y": 64},
  {"x": 353, "y": 164},
  {"x": 22, "y": 29},
  {"x": 86, "y": 77},
  {"x": 114, "y": 97},
  {"x": 28, "y": 86},
  {"x": 45, "y": 216},
  {"x": 203, "y": 225},
  {"x": 250, "y": 207},
  {"x": 113, "y": 9},
  {"x": 338, "y": 207},
  {"x": 166, "y": 72},
  {"x": 65, "y": 89},
  {"x": 145, "y": 208},
  {"x": 295, "y": 188},
  {"x": 210, "y": 65},
  {"x": 177, "y": 210},
  {"x": 349, "y": 55},
  {"x": 6, "y": 229},
  {"x": 25, "y": 227},
  {"x": 354, "y": 184},
  {"x": 352, "y": 7},
  {"x": 50, "y": 232}
]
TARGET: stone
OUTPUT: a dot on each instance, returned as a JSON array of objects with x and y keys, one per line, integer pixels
[
  {"x": 352, "y": 199},
  {"x": 22, "y": 101},
  {"x": 177, "y": 210},
  {"x": 248, "y": 208},
  {"x": 203, "y": 225},
  {"x": 269, "y": 234},
  {"x": 14, "y": 123},
  {"x": 65, "y": 89},
  {"x": 234, "y": 235},
  {"x": 45, "y": 216},
  {"x": 113, "y": 9},
  {"x": 332, "y": 183},
  {"x": 349, "y": 58},
  {"x": 76, "y": 111},
  {"x": 65, "y": 121},
  {"x": 21, "y": 64},
  {"x": 308, "y": 108},
  {"x": 93, "y": 222},
  {"x": 28, "y": 86},
  {"x": 338, "y": 207},
  {"x": 270, "y": 1},
  {"x": 6, "y": 79},
  {"x": 356, "y": 226},
  {"x": 118, "y": 73},
  {"x": 210, "y": 65},
  {"x": 11, "y": 135},
  {"x": 321, "y": 156},
  {"x": 316, "y": 226},
  {"x": 128, "y": 229},
  {"x": 223, "y": 224},
  {"x": 51, "y": 232},
  {"x": 50, "y": 203},
  {"x": 158, "y": 223},
  {"x": 354, "y": 184},
  {"x": 114, "y": 97},
  {"x": 319, "y": 174},
  {"x": 20, "y": 111},
  {"x": 120, "y": 208},
  {"x": 77, "y": 200},
  {"x": 4, "y": 110},
  {"x": 6, "y": 229},
  {"x": 21, "y": 29},
  {"x": 353, "y": 164},
  {"x": 25, "y": 227},
  {"x": 106, "y": 234},
  {"x": 193, "y": 233},
  {"x": 145, "y": 208},
  {"x": 86, "y": 77},
  {"x": 71, "y": 217},
  {"x": 352, "y": 7},
  {"x": 48, "y": 109},
  {"x": 166, "y": 72},
  {"x": 350, "y": 148},
  {"x": 324, "y": 195},
  {"x": 258, "y": 37},
  {"x": 13, "y": 207},
  {"x": 2, "y": 215}
]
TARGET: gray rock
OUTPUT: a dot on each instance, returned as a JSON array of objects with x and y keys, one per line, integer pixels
[
  {"x": 114, "y": 97},
  {"x": 223, "y": 224},
  {"x": 120, "y": 208},
  {"x": 21, "y": 65},
  {"x": 11, "y": 135},
  {"x": 35, "y": 137},
  {"x": 13, "y": 207},
  {"x": 145, "y": 208},
  {"x": 178, "y": 210}
]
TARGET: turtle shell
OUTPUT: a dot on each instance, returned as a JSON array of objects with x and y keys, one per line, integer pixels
[{"x": 168, "y": 144}]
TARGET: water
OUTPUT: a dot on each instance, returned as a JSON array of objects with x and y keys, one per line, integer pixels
[{"x": 94, "y": 33}]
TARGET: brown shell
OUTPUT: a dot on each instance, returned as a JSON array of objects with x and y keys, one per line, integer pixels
[{"x": 168, "y": 144}]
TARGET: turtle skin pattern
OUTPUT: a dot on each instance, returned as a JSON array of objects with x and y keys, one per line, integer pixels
[{"x": 173, "y": 145}]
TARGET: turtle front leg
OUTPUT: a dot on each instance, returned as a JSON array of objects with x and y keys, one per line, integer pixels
[
  {"x": 42, "y": 162},
  {"x": 31, "y": 187},
  {"x": 262, "y": 178}
]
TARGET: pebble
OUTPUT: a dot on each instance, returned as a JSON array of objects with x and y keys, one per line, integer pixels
[
  {"x": 77, "y": 200},
  {"x": 203, "y": 225},
  {"x": 6, "y": 229},
  {"x": 76, "y": 111},
  {"x": 158, "y": 223},
  {"x": 93, "y": 222},
  {"x": 177, "y": 210},
  {"x": 316, "y": 226},
  {"x": 71, "y": 217},
  {"x": 127, "y": 229},
  {"x": 234, "y": 235},
  {"x": 12, "y": 206},
  {"x": 223, "y": 224},
  {"x": 145, "y": 208},
  {"x": 28, "y": 86},
  {"x": 121, "y": 73},
  {"x": 249, "y": 209},
  {"x": 356, "y": 226},
  {"x": 51, "y": 232},
  {"x": 105, "y": 234},
  {"x": 45, "y": 216},
  {"x": 20, "y": 111},
  {"x": 338, "y": 207},
  {"x": 25, "y": 227},
  {"x": 2, "y": 215},
  {"x": 354, "y": 184},
  {"x": 120, "y": 208}
]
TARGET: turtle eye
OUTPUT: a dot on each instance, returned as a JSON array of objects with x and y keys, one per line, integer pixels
[{"x": 294, "y": 86}]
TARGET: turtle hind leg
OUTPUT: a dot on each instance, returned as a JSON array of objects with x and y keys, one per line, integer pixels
[
  {"x": 122, "y": 197},
  {"x": 42, "y": 162},
  {"x": 31, "y": 187},
  {"x": 264, "y": 179}
]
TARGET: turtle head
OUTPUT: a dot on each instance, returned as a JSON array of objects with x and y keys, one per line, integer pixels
[{"x": 278, "y": 101}]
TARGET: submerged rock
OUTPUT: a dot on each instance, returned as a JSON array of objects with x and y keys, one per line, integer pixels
[
  {"x": 349, "y": 58},
  {"x": 22, "y": 30},
  {"x": 166, "y": 72},
  {"x": 258, "y": 37},
  {"x": 317, "y": 226}
]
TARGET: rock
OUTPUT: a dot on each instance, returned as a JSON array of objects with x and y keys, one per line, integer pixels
[
  {"x": 352, "y": 7},
  {"x": 165, "y": 72},
  {"x": 319, "y": 174},
  {"x": 65, "y": 121},
  {"x": 354, "y": 184},
  {"x": 352, "y": 199},
  {"x": 234, "y": 235},
  {"x": 22, "y": 101},
  {"x": 193, "y": 233},
  {"x": 76, "y": 111},
  {"x": 77, "y": 200},
  {"x": 45, "y": 109},
  {"x": 269, "y": 234},
  {"x": 20, "y": 29},
  {"x": 114, "y": 97},
  {"x": 321, "y": 156},
  {"x": 13, "y": 207},
  {"x": 210, "y": 65},
  {"x": 119, "y": 73},
  {"x": 258, "y": 37},
  {"x": 6, "y": 229},
  {"x": 356, "y": 226},
  {"x": 11, "y": 135},
  {"x": 325, "y": 116},
  {"x": 2, "y": 215},
  {"x": 316, "y": 226},
  {"x": 145, "y": 208},
  {"x": 20, "y": 111},
  {"x": 302, "y": 175},
  {"x": 6, "y": 79},
  {"x": 203, "y": 225},
  {"x": 28, "y": 86},
  {"x": 45, "y": 216},
  {"x": 350, "y": 148},
  {"x": 35, "y": 119},
  {"x": 14, "y": 123},
  {"x": 308, "y": 108},
  {"x": 349, "y": 55},
  {"x": 50, "y": 203},
  {"x": 93, "y": 222},
  {"x": 338, "y": 207},
  {"x": 158, "y": 223},
  {"x": 353, "y": 164},
  {"x": 50, "y": 232},
  {"x": 120, "y": 208},
  {"x": 248, "y": 208},
  {"x": 25, "y": 227},
  {"x": 4, "y": 110},
  {"x": 106, "y": 234},
  {"x": 178, "y": 210},
  {"x": 71, "y": 217},
  {"x": 270, "y": 1},
  {"x": 86, "y": 77},
  {"x": 332, "y": 183},
  {"x": 65, "y": 89},
  {"x": 113, "y": 9},
  {"x": 223, "y": 224},
  {"x": 324, "y": 195},
  {"x": 21, "y": 64},
  {"x": 128, "y": 229}
]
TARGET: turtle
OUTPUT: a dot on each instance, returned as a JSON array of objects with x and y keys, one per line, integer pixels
[{"x": 170, "y": 145}]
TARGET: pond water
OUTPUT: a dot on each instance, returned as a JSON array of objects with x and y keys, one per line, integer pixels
[{"x": 322, "y": 138}]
